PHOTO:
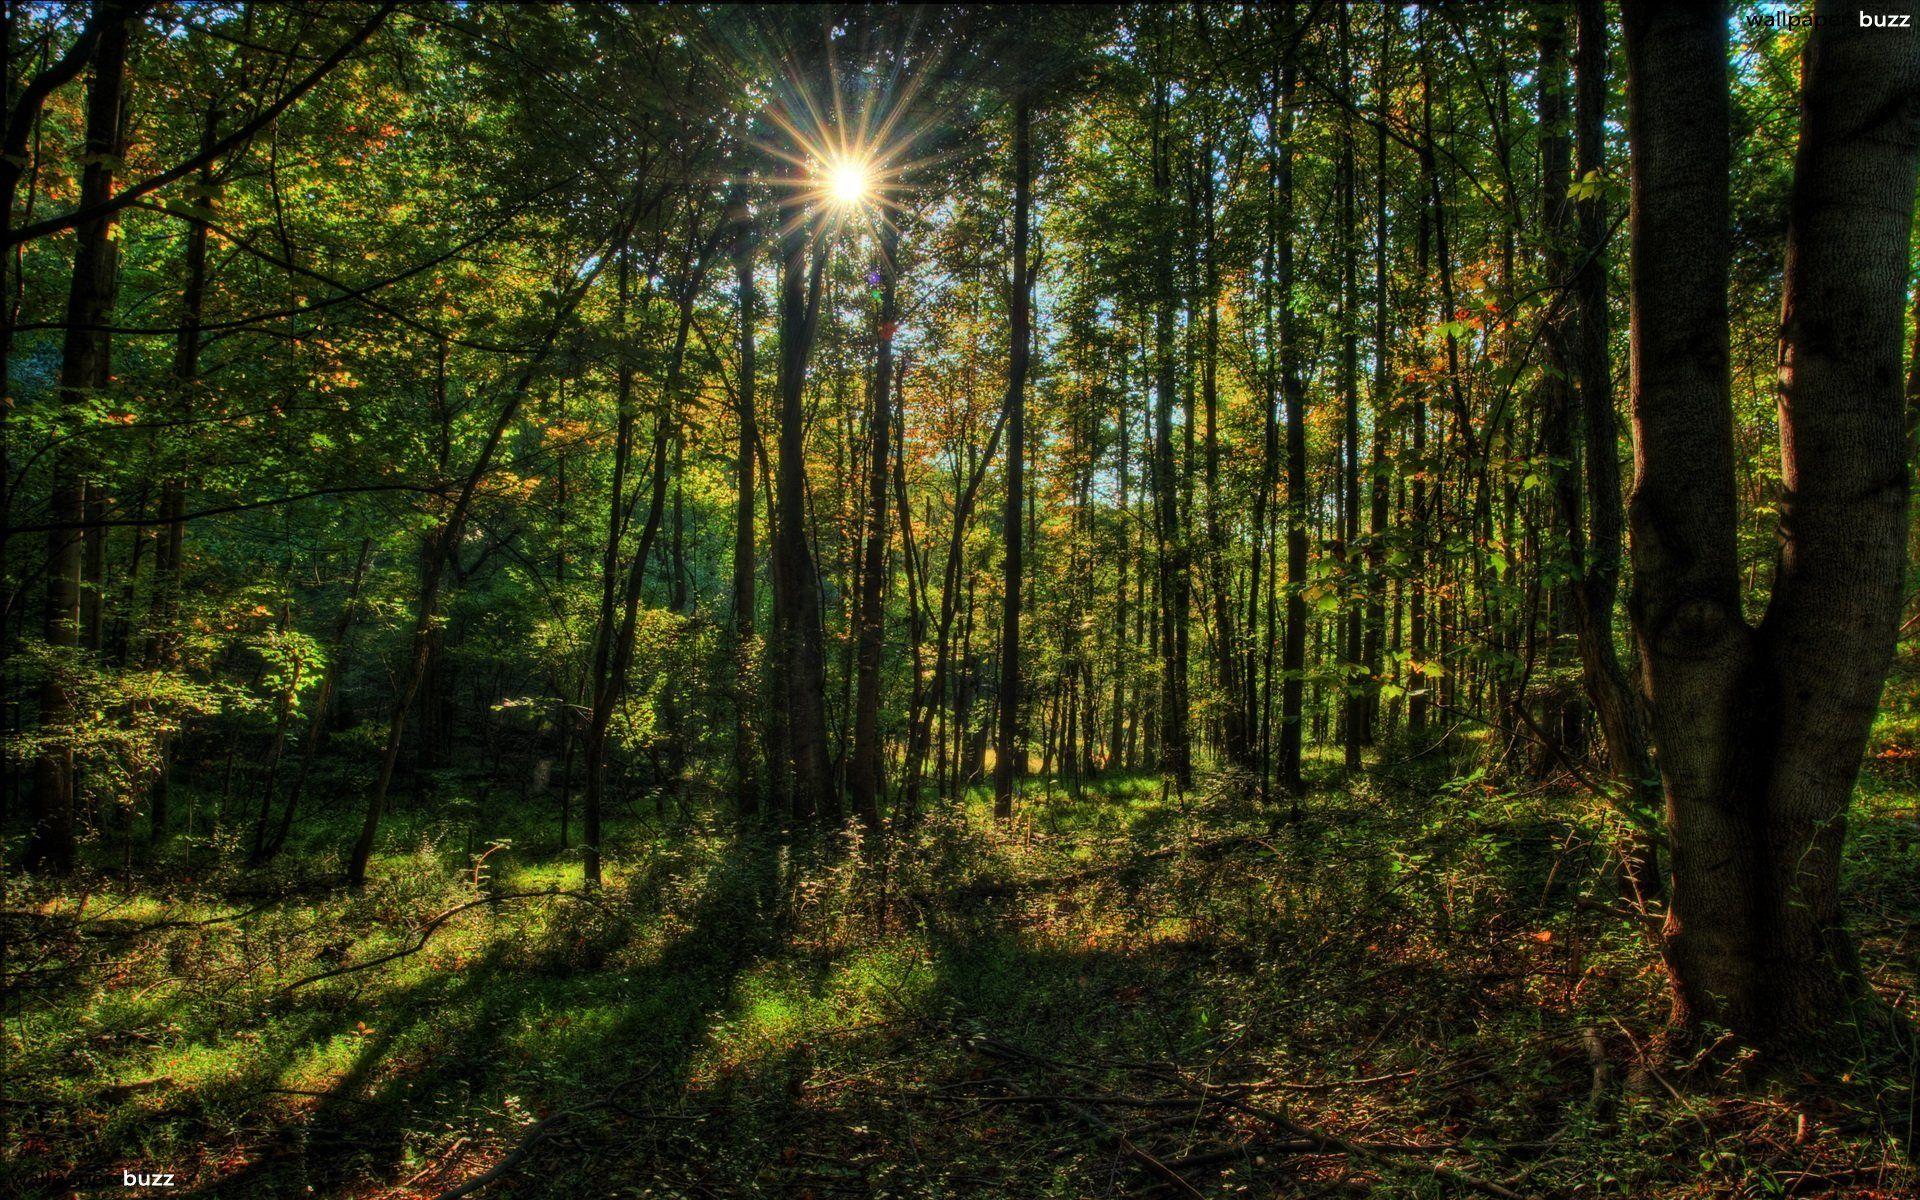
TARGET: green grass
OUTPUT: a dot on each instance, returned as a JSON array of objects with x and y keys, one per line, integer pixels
[{"x": 737, "y": 1015}]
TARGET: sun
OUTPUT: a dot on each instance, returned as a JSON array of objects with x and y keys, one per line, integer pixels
[{"x": 849, "y": 182}]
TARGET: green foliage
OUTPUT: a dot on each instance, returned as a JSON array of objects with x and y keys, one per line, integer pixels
[{"x": 792, "y": 1015}]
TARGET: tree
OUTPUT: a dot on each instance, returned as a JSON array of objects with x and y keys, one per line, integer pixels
[
  {"x": 1007, "y": 750},
  {"x": 84, "y": 370},
  {"x": 746, "y": 782},
  {"x": 1175, "y": 582},
  {"x": 864, "y": 775},
  {"x": 1759, "y": 730},
  {"x": 797, "y": 650},
  {"x": 1596, "y": 541}
]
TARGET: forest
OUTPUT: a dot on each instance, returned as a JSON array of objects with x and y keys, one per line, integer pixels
[{"x": 1295, "y": 599}]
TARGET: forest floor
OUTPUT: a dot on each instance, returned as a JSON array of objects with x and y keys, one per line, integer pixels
[{"x": 1418, "y": 988}]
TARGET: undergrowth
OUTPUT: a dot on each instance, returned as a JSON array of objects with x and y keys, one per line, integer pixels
[{"x": 1121, "y": 992}]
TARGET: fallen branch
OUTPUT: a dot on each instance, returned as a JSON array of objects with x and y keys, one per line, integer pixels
[
  {"x": 1130, "y": 1147},
  {"x": 543, "y": 1129},
  {"x": 536, "y": 1133},
  {"x": 1359, "y": 1150},
  {"x": 1111, "y": 1101},
  {"x": 1327, "y": 1141},
  {"x": 1327, "y": 1085},
  {"x": 440, "y": 1160},
  {"x": 426, "y": 932}
]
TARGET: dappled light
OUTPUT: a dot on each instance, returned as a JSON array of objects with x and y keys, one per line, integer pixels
[{"x": 959, "y": 602}]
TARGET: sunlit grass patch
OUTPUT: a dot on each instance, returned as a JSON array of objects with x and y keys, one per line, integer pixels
[{"x": 816, "y": 996}]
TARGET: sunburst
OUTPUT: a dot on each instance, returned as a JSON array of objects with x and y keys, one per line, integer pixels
[
  {"x": 846, "y": 166},
  {"x": 849, "y": 182}
]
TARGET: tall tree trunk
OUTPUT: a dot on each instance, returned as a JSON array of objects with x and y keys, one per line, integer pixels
[
  {"x": 1419, "y": 615},
  {"x": 598, "y": 711},
  {"x": 1759, "y": 732},
  {"x": 1122, "y": 647},
  {"x": 1008, "y": 753},
  {"x": 1597, "y": 542},
  {"x": 1353, "y": 695},
  {"x": 84, "y": 368},
  {"x": 864, "y": 773},
  {"x": 1236, "y": 740},
  {"x": 799, "y": 653},
  {"x": 1175, "y": 584},
  {"x": 613, "y": 649},
  {"x": 966, "y": 492},
  {"x": 164, "y": 641},
  {"x": 1696, "y": 649},
  {"x": 918, "y": 711},
  {"x": 613, "y": 684},
  {"x": 15, "y": 142},
  {"x": 1376, "y": 554},
  {"x": 692, "y": 276},
  {"x": 1259, "y": 665},
  {"x": 1293, "y": 654},
  {"x": 745, "y": 674}
]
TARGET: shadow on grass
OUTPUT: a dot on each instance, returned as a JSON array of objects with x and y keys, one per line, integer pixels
[{"x": 523, "y": 1028}]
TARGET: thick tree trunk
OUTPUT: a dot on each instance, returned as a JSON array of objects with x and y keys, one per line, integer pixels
[
  {"x": 21, "y": 122},
  {"x": 798, "y": 654},
  {"x": 1830, "y": 629},
  {"x": 1008, "y": 753},
  {"x": 84, "y": 368},
  {"x": 1759, "y": 732},
  {"x": 1696, "y": 649}
]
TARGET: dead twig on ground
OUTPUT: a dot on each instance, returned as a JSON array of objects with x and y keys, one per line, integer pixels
[{"x": 425, "y": 931}]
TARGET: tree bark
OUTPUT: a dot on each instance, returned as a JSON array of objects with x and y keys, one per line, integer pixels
[
  {"x": 864, "y": 775},
  {"x": 1696, "y": 649},
  {"x": 594, "y": 748},
  {"x": 1353, "y": 694},
  {"x": 1293, "y": 654},
  {"x": 84, "y": 368},
  {"x": 1008, "y": 753},
  {"x": 745, "y": 773},
  {"x": 799, "y": 653},
  {"x": 1759, "y": 732},
  {"x": 1376, "y": 548},
  {"x": 1175, "y": 581},
  {"x": 163, "y": 645},
  {"x": 1596, "y": 546},
  {"x": 1831, "y": 626}
]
